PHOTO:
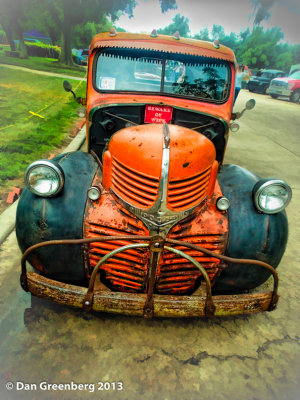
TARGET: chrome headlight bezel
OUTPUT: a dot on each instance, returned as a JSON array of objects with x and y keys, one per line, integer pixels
[
  {"x": 55, "y": 169},
  {"x": 261, "y": 186}
]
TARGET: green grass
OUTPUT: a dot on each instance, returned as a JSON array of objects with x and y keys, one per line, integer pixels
[
  {"x": 42, "y": 64},
  {"x": 31, "y": 137}
]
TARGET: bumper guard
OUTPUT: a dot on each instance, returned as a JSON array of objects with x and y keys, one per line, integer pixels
[{"x": 98, "y": 297}]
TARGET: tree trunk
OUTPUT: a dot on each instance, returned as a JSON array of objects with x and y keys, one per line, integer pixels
[
  {"x": 7, "y": 27},
  {"x": 23, "y": 49},
  {"x": 66, "y": 50}
]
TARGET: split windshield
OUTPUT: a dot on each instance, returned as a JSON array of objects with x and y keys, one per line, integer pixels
[{"x": 176, "y": 74}]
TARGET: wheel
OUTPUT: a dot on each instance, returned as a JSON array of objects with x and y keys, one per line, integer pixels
[
  {"x": 274, "y": 96},
  {"x": 295, "y": 96},
  {"x": 266, "y": 90}
]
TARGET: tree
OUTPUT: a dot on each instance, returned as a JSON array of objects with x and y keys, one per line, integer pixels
[
  {"x": 12, "y": 20},
  {"x": 262, "y": 10},
  {"x": 180, "y": 24},
  {"x": 259, "y": 49},
  {"x": 67, "y": 14},
  {"x": 202, "y": 35}
]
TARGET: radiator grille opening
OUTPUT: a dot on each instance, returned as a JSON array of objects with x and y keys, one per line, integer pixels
[
  {"x": 187, "y": 193},
  {"x": 134, "y": 187},
  {"x": 128, "y": 271}
]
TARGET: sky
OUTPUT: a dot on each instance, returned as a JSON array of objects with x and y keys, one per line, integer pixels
[{"x": 233, "y": 15}]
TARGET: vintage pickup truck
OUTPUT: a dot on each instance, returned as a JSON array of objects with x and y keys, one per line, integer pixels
[{"x": 149, "y": 221}]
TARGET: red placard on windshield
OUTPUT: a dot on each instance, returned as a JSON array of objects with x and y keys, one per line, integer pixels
[{"x": 158, "y": 114}]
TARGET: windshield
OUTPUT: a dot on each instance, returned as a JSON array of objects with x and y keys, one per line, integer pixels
[
  {"x": 295, "y": 75},
  {"x": 268, "y": 75},
  {"x": 175, "y": 74}
]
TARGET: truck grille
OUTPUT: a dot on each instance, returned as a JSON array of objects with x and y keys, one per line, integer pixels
[
  {"x": 137, "y": 189},
  {"x": 176, "y": 275},
  {"x": 128, "y": 271},
  {"x": 142, "y": 191},
  {"x": 279, "y": 84},
  {"x": 186, "y": 193}
]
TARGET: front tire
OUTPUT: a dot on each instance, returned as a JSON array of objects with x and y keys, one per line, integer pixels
[
  {"x": 274, "y": 96},
  {"x": 295, "y": 96}
]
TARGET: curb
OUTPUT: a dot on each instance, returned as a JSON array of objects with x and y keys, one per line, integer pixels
[{"x": 8, "y": 217}]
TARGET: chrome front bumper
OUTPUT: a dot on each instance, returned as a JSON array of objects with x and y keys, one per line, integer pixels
[{"x": 280, "y": 91}]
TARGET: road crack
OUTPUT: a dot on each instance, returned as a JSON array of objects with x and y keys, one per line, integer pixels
[{"x": 203, "y": 355}]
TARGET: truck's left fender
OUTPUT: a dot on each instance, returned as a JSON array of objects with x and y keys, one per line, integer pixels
[{"x": 61, "y": 217}]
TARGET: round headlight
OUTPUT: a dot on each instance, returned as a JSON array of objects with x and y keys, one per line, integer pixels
[
  {"x": 271, "y": 196},
  {"x": 44, "y": 178}
]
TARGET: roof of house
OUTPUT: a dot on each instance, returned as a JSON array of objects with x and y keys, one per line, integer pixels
[{"x": 36, "y": 34}]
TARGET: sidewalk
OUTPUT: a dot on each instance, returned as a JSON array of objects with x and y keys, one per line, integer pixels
[
  {"x": 8, "y": 217},
  {"x": 35, "y": 71}
]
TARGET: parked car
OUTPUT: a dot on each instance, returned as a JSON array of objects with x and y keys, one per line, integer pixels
[
  {"x": 261, "y": 83},
  {"x": 80, "y": 56},
  {"x": 149, "y": 221},
  {"x": 286, "y": 87}
]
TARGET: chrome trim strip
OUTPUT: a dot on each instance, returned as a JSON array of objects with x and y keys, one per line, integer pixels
[{"x": 159, "y": 219}]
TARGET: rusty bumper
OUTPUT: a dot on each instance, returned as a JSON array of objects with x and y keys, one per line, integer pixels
[
  {"x": 99, "y": 298},
  {"x": 133, "y": 304}
]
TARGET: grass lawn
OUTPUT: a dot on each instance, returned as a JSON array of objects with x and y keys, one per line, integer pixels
[
  {"x": 42, "y": 64},
  {"x": 25, "y": 137}
]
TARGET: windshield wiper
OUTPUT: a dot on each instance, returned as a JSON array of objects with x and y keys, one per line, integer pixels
[{"x": 121, "y": 118}]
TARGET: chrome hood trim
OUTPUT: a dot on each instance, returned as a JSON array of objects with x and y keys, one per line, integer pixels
[{"x": 159, "y": 219}]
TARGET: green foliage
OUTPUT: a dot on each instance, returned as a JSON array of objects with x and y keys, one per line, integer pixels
[
  {"x": 42, "y": 50},
  {"x": 203, "y": 34},
  {"x": 259, "y": 49},
  {"x": 167, "y": 5},
  {"x": 3, "y": 39},
  {"x": 84, "y": 33},
  {"x": 180, "y": 24}
]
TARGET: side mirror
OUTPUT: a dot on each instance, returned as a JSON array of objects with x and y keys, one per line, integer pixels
[
  {"x": 67, "y": 86},
  {"x": 248, "y": 106}
]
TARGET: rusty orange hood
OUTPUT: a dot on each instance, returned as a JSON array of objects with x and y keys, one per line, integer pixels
[{"x": 132, "y": 166}]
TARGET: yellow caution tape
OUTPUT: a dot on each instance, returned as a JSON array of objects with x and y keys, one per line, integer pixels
[{"x": 36, "y": 115}]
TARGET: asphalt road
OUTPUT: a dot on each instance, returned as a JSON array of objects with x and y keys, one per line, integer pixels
[{"x": 232, "y": 358}]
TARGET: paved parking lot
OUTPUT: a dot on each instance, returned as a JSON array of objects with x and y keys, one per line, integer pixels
[{"x": 233, "y": 358}]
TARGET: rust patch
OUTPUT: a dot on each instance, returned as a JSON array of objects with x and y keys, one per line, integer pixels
[{"x": 267, "y": 236}]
